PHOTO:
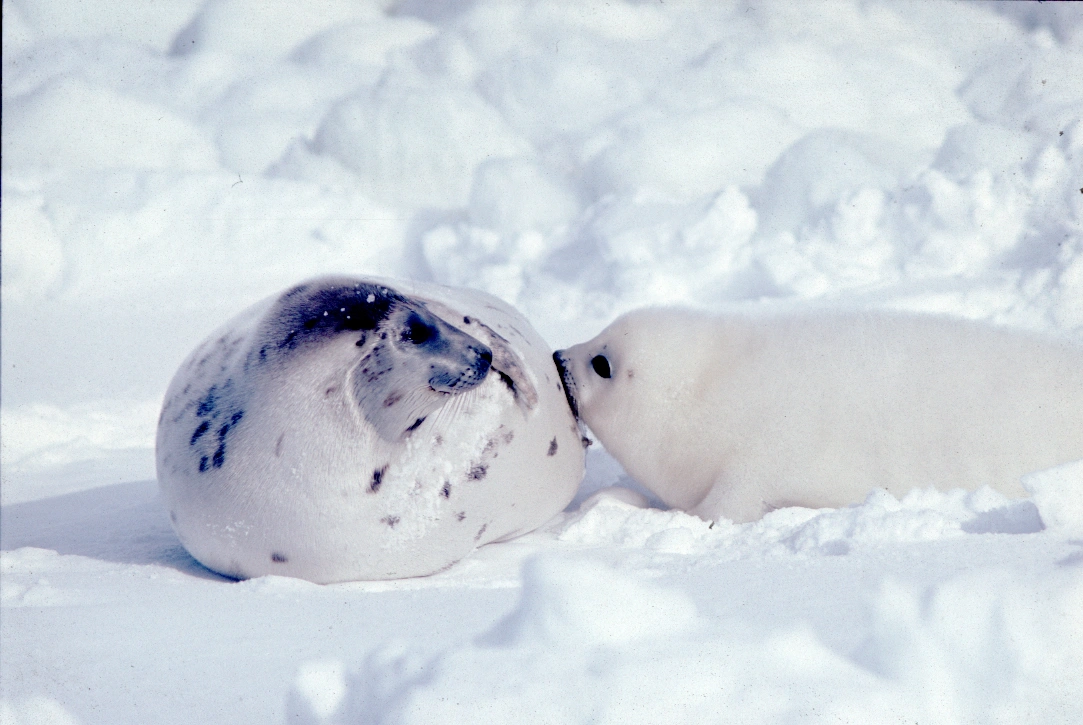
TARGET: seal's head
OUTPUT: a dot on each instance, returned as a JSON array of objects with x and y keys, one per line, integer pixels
[
  {"x": 595, "y": 372},
  {"x": 587, "y": 372},
  {"x": 405, "y": 360},
  {"x": 627, "y": 381}
]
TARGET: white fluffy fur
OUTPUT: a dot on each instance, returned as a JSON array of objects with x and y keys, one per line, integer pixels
[{"x": 737, "y": 415}]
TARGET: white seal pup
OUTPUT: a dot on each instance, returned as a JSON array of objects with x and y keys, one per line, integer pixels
[
  {"x": 349, "y": 429},
  {"x": 736, "y": 415}
]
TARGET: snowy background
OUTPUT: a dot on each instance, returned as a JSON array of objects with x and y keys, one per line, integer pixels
[{"x": 167, "y": 162}]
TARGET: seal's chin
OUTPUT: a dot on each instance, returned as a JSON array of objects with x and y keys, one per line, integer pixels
[{"x": 567, "y": 382}]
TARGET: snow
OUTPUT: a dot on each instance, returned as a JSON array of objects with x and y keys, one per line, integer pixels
[
  {"x": 1058, "y": 496},
  {"x": 165, "y": 166}
]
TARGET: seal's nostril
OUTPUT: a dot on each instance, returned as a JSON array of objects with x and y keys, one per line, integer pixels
[{"x": 483, "y": 362}]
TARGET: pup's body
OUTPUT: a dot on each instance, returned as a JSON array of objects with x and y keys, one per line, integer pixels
[{"x": 733, "y": 416}]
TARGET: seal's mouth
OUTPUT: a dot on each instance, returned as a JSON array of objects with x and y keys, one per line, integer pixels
[
  {"x": 450, "y": 379},
  {"x": 567, "y": 382}
]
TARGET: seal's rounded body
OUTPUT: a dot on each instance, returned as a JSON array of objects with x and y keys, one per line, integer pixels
[
  {"x": 735, "y": 415},
  {"x": 349, "y": 430}
]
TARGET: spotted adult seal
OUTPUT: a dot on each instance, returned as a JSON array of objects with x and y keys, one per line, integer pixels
[
  {"x": 735, "y": 415},
  {"x": 353, "y": 429}
]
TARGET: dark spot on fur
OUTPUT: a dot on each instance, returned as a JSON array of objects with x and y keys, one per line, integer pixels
[
  {"x": 478, "y": 472},
  {"x": 330, "y": 390},
  {"x": 390, "y": 520},
  {"x": 490, "y": 446},
  {"x": 377, "y": 479},
  {"x": 416, "y": 424},
  {"x": 219, "y": 457},
  {"x": 279, "y": 558},
  {"x": 446, "y": 490},
  {"x": 481, "y": 531},
  {"x": 173, "y": 516},
  {"x": 236, "y": 417},
  {"x": 586, "y": 442},
  {"x": 278, "y": 445},
  {"x": 461, "y": 515},
  {"x": 509, "y": 436},
  {"x": 552, "y": 447},
  {"x": 209, "y": 403},
  {"x": 467, "y": 320},
  {"x": 203, "y": 461},
  {"x": 199, "y": 432},
  {"x": 631, "y": 374},
  {"x": 437, "y": 440},
  {"x": 393, "y": 398},
  {"x": 361, "y": 341}
]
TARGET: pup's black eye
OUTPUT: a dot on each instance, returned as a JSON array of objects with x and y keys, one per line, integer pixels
[
  {"x": 601, "y": 366},
  {"x": 417, "y": 331}
]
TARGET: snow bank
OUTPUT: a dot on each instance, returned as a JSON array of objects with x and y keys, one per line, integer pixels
[
  {"x": 922, "y": 515},
  {"x": 609, "y": 638},
  {"x": 587, "y": 643},
  {"x": 264, "y": 30},
  {"x": 941, "y": 607},
  {"x": 1058, "y": 496},
  {"x": 34, "y": 710},
  {"x": 415, "y": 144},
  {"x": 46, "y": 128}
]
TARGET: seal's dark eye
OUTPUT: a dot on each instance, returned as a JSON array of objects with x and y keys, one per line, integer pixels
[
  {"x": 601, "y": 366},
  {"x": 417, "y": 331}
]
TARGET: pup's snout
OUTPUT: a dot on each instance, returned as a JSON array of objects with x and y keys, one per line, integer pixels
[{"x": 567, "y": 382}]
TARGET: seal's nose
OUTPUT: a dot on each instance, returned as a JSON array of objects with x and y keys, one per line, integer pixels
[
  {"x": 559, "y": 359},
  {"x": 567, "y": 382},
  {"x": 485, "y": 360}
]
